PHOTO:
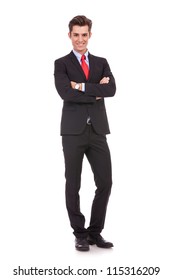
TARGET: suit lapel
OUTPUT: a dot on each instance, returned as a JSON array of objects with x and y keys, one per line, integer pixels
[
  {"x": 91, "y": 66},
  {"x": 77, "y": 64}
]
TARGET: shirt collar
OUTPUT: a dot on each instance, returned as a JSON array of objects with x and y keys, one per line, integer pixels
[{"x": 78, "y": 55}]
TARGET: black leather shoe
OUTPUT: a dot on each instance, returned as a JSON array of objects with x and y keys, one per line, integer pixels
[
  {"x": 81, "y": 244},
  {"x": 99, "y": 241}
]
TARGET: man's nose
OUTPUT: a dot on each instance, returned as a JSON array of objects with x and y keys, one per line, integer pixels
[{"x": 80, "y": 38}]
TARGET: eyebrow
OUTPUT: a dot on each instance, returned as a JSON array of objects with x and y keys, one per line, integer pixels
[{"x": 81, "y": 34}]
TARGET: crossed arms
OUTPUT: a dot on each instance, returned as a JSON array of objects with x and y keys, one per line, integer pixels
[{"x": 93, "y": 90}]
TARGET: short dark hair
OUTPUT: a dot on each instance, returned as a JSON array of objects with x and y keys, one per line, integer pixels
[{"x": 81, "y": 21}]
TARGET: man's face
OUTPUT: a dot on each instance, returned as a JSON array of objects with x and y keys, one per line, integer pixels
[{"x": 79, "y": 37}]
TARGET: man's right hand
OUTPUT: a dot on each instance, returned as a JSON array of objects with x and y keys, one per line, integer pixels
[{"x": 104, "y": 80}]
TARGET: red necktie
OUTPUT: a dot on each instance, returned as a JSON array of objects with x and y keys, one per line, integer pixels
[{"x": 84, "y": 66}]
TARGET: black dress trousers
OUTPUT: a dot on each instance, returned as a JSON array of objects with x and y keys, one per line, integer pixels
[{"x": 96, "y": 149}]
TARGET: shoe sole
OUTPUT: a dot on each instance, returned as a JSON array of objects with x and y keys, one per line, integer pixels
[
  {"x": 106, "y": 247},
  {"x": 82, "y": 249}
]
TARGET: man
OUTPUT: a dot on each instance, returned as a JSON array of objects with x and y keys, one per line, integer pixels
[{"x": 83, "y": 81}]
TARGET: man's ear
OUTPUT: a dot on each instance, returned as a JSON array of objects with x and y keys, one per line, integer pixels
[
  {"x": 90, "y": 34},
  {"x": 69, "y": 35}
]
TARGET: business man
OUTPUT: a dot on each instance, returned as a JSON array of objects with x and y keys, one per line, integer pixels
[{"x": 83, "y": 81}]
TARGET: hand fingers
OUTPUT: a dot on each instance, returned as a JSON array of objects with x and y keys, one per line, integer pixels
[{"x": 105, "y": 80}]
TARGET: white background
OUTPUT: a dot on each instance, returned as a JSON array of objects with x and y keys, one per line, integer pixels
[{"x": 136, "y": 38}]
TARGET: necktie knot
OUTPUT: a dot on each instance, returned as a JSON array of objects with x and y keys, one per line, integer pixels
[{"x": 83, "y": 57}]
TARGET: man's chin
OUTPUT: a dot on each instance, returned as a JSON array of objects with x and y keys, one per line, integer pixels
[{"x": 81, "y": 49}]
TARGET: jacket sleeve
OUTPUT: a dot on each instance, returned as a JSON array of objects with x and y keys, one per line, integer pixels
[
  {"x": 63, "y": 86},
  {"x": 102, "y": 90}
]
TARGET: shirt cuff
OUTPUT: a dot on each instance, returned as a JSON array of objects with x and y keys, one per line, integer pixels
[{"x": 83, "y": 86}]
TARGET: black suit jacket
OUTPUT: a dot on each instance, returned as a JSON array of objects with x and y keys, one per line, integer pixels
[{"x": 79, "y": 105}]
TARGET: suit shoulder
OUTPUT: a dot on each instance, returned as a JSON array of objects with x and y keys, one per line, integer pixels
[
  {"x": 63, "y": 58},
  {"x": 97, "y": 57}
]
